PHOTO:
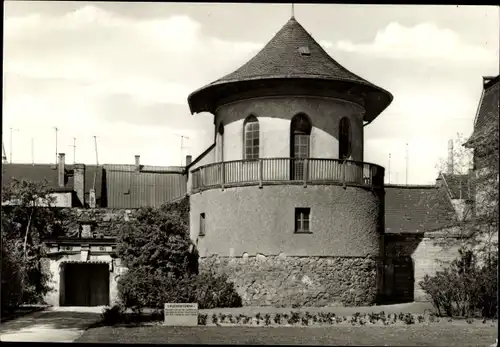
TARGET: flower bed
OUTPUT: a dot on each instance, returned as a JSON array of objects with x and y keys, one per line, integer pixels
[{"x": 294, "y": 318}]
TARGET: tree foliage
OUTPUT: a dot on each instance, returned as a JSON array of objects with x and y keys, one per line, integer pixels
[
  {"x": 157, "y": 240},
  {"x": 466, "y": 288},
  {"x": 477, "y": 220},
  {"x": 28, "y": 216},
  {"x": 162, "y": 265}
]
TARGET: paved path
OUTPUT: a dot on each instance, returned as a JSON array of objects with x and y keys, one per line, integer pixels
[{"x": 61, "y": 324}]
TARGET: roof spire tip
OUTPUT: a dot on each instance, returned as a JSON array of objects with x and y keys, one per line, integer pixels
[{"x": 293, "y": 10}]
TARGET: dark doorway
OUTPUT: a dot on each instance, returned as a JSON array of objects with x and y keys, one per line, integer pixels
[
  {"x": 404, "y": 280},
  {"x": 85, "y": 285}
]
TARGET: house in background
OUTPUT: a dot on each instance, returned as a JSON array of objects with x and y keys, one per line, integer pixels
[
  {"x": 103, "y": 186},
  {"x": 71, "y": 185},
  {"x": 97, "y": 200}
]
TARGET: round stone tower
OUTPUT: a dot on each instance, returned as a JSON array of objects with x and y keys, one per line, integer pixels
[{"x": 283, "y": 202}]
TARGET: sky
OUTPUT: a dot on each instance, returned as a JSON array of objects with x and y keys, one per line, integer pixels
[{"x": 122, "y": 72}]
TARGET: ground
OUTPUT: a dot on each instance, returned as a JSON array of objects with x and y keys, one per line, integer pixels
[
  {"x": 51, "y": 325},
  {"x": 432, "y": 335},
  {"x": 67, "y": 324}
]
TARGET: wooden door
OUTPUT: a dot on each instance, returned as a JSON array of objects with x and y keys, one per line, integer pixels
[
  {"x": 99, "y": 285},
  {"x": 86, "y": 285},
  {"x": 300, "y": 152}
]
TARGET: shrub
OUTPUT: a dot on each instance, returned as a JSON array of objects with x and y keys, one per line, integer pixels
[
  {"x": 277, "y": 318},
  {"x": 202, "y": 319},
  {"x": 294, "y": 318},
  {"x": 267, "y": 319},
  {"x": 112, "y": 315},
  {"x": 409, "y": 319},
  {"x": 465, "y": 288}
]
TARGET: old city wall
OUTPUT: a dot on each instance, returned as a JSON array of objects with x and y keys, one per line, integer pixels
[
  {"x": 107, "y": 222},
  {"x": 305, "y": 281}
]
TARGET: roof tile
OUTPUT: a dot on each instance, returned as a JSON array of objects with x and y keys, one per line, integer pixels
[
  {"x": 281, "y": 58},
  {"x": 410, "y": 209}
]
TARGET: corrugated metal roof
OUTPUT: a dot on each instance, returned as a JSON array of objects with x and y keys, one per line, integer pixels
[
  {"x": 144, "y": 168},
  {"x": 128, "y": 189}
]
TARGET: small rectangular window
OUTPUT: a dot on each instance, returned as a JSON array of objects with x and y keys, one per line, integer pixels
[
  {"x": 302, "y": 220},
  {"x": 202, "y": 224}
]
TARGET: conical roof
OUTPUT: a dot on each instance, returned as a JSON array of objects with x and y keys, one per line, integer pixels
[{"x": 292, "y": 54}]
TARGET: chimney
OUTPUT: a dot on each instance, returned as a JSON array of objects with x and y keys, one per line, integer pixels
[
  {"x": 439, "y": 180},
  {"x": 60, "y": 171},
  {"x": 137, "y": 163},
  {"x": 92, "y": 199},
  {"x": 79, "y": 182},
  {"x": 189, "y": 159},
  {"x": 487, "y": 79},
  {"x": 450, "y": 158}
]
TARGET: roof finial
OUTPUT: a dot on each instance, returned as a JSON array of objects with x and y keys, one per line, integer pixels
[{"x": 293, "y": 10}]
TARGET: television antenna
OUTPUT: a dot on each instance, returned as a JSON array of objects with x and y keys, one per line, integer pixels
[
  {"x": 182, "y": 144},
  {"x": 74, "y": 150},
  {"x": 11, "y": 130},
  {"x": 96, "y": 160},
  {"x": 55, "y": 128},
  {"x": 4, "y": 155}
]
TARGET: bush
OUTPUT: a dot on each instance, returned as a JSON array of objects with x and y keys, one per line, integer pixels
[
  {"x": 202, "y": 319},
  {"x": 139, "y": 288},
  {"x": 465, "y": 288},
  {"x": 112, "y": 315}
]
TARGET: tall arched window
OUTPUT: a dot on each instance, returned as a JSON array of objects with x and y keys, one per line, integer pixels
[
  {"x": 220, "y": 142},
  {"x": 251, "y": 139},
  {"x": 344, "y": 138},
  {"x": 300, "y": 133}
]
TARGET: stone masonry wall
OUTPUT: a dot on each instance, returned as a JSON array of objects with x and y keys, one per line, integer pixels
[
  {"x": 108, "y": 222},
  {"x": 299, "y": 281}
]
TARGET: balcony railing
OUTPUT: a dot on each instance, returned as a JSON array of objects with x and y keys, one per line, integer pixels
[{"x": 287, "y": 171}]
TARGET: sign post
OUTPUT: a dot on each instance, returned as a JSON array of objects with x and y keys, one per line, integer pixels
[{"x": 181, "y": 314}]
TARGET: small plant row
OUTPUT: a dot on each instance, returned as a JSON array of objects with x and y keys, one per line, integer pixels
[{"x": 321, "y": 318}]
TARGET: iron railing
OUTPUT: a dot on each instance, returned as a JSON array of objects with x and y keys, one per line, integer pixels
[{"x": 287, "y": 170}]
